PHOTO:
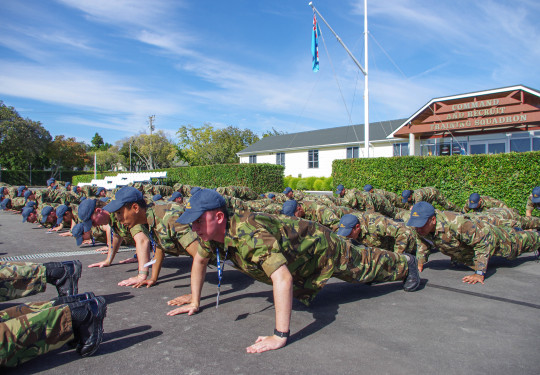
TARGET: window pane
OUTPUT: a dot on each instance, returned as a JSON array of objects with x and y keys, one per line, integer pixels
[
  {"x": 496, "y": 148},
  {"x": 355, "y": 152},
  {"x": 458, "y": 146},
  {"x": 478, "y": 149},
  {"x": 444, "y": 149},
  {"x": 536, "y": 144},
  {"x": 349, "y": 152},
  {"x": 520, "y": 145},
  {"x": 397, "y": 150},
  {"x": 404, "y": 149}
]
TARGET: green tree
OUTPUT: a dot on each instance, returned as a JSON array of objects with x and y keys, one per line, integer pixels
[
  {"x": 98, "y": 144},
  {"x": 107, "y": 160},
  {"x": 66, "y": 153},
  {"x": 153, "y": 151},
  {"x": 206, "y": 145},
  {"x": 273, "y": 132},
  {"x": 22, "y": 141}
]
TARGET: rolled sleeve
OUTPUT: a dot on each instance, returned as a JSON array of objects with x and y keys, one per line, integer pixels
[{"x": 273, "y": 262}]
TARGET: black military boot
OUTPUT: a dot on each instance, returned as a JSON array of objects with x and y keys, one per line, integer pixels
[
  {"x": 64, "y": 275},
  {"x": 87, "y": 317},
  {"x": 412, "y": 282},
  {"x": 70, "y": 299}
]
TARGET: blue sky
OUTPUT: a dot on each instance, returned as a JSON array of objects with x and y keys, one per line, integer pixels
[{"x": 81, "y": 67}]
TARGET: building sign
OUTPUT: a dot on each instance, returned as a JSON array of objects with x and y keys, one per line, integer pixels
[{"x": 513, "y": 108}]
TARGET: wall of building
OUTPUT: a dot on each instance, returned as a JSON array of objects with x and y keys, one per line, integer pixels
[{"x": 296, "y": 162}]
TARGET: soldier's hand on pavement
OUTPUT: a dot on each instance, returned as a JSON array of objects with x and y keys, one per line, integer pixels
[
  {"x": 473, "y": 279},
  {"x": 265, "y": 343},
  {"x": 128, "y": 260},
  {"x": 103, "y": 249},
  {"x": 67, "y": 234},
  {"x": 99, "y": 264},
  {"x": 131, "y": 281},
  {"x": 148, "y": 283},
  {"x": 420, "y": 267},
  {"x": 189, "y": 309},
  {"x": 179, "y": 301}
]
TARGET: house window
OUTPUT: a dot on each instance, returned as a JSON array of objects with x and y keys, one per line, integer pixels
[
  {"x": 353, "y": 152},
  {"x": 401, "y": 149},
  {"x": 313, "y": 159},
  {"x": 280, "y": 158},
  {"x": 252, "y": 159}
]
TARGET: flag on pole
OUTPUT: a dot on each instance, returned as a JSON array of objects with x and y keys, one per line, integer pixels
[{"x": 315, "y": 44}]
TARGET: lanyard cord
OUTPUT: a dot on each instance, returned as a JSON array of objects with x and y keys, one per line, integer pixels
[
  {"x": 220, "y": 266},
  {"x": 152, "y": 242}
]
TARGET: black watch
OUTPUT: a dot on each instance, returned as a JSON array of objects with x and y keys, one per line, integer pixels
[{"x": 281, "y": 334}]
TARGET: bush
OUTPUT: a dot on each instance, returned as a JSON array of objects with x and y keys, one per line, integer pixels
[
  {"x": 302, "y": 185},
  {"x": 318, "y": 185},
  {"x": 328, "y": 184},
  {"x": 509, "y": 177}
]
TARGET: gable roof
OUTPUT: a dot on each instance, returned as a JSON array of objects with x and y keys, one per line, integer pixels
[
  {"x": 343, "y": 135},
  {"x": 461, "y": 96}
]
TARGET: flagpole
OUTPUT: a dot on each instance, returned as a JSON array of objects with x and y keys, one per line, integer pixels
[{"x": 364, "y": 71}]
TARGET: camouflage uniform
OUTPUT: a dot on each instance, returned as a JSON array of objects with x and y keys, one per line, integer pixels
[
  {"x": 18, "y": 203},
  {"x": 259, "y": 204},
  {"x": 163, "y": 230},
  {"x": 29, "y": 330},
  {"x": 242, "y": 192},
  {"x": 530, "y": 206},
  {"x": 370, "y": 202},
  {"x": 512, "y": 216},
  {"x": 184, "y": 189},
  {"x": 40, "y": 217},
  {"x": 472, "y": 242},
  {"x": 485, "y": 203},
  {"x": 258, "y": 244},
  {"x": 393, "y": 198},
  {"x": 432, "y": 195},
  {"x": 379, "y": 231},
  {"x": 321, "y": 214}
]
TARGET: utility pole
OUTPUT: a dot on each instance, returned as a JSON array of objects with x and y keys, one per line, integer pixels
[{"x": 151, "y": 120}]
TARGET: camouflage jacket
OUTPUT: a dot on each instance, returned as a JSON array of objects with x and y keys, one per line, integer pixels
[
  {"x": 184, "y": 189},
  {"x": 433, "y": 195},
  {"x": 163, "y": 230},
  {"x": 510, "y": 217},
  {"x": 258, "y": 244},
  {"x": 465, "y": 239},
  {"x": 17, "y": 203},
  {"x": 380, "y": 231},
  {"x": 242, "y": 192},
  {"x": 49, "y": 196},
  {"x": 485, "y": 203},
  {"x": 321, "y": 214},
  {"x": 393, "y": 198},
  {"x": 370, "y": 202},
  {"x": 530, "y": 206}
]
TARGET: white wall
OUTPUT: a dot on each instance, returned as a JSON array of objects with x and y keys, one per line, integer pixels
[{"x": 296, "y": 162}]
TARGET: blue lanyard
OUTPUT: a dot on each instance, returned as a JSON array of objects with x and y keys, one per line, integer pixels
[
  {"x": 152, "y": 242},
  {"x": 220, "y": 266}
]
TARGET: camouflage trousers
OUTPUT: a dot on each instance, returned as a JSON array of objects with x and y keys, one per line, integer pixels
[
  {"x": 21, "y": 279},
  {"x": 513, "y": 243},
  {"x": 367, "y": 264},
  {"x": 29, "y": 330}
]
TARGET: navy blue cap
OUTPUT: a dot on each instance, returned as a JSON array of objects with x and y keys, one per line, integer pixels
[
  {"x": 27, "y": 194},
  {"x": 4, "y": 203},
  {"x": 99, "y": 190},
  {"x": 26, "y": 211},
  {"x": 20, "y": 190},
  {"x": 45, "y": 212},
  {"x": 85, "y": 211},
  {"x": 346, "y": 224},
  {"x": 406, "y": 194},
  {"x": 262, "y": 196},
  {"x": 474, "y": 200},
  {"x": 368, "y": 188},
  {"x": 339, "y": 189},
  {"x": 202, "y": 201},
  {"x": 194, "y": 190},
  {"x": 536, "y": 195},
  {"x": 289, "y": 207},
  {"x": 287, "y": 190},
  {"x": 2, "y": 188},
  {"x": 157, "y": 197},
  {"x": 128, "y": 194},
  {"x": 175, "y": 195},
  {"x": 420, "y": 213},
  {"x": 271, "y": 195},
  {"x": 50, "y": 181},
  {"x": 77, "y": 232},
  {"x": 60, "y": 212},
  {"x": 68, "y": 183}
]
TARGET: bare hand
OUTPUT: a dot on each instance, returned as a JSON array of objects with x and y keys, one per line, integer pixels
[
  {"x": 128, "y": 260},
  {"x": 56, "y": 229},
  {"x": 103, "y": 249},
  {"x": 131, "y": 281},
  {"x": 473, "y": 279},
  {"x": 266, "y": 343},
  {"x": 189, "y": 309},
  {"x": 87, "y": 242},
  {"x": 179, "y": 301},
  {"x": 67, "y": 234},
  {"x": 100, "y": 264},
  {"x": 420, "y": 267},
  {"x": 148, "y": 283}
]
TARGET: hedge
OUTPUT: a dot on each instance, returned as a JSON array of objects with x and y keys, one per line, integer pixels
[
  {"x": 39, "y": 178},
  {"x": 509, "y": 177},
  {"x": 259, "y": 177}
]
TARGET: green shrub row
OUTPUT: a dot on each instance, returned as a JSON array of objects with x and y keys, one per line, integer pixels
[
  {"x": 509, "y": 177},
  {"x": 309, "y": 183},
  {"x": 259, "y": 177},
  {"x": 39, "y": 178}
]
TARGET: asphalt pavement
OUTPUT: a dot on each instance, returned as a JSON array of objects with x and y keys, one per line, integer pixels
[{"x": 446, "y": 327}]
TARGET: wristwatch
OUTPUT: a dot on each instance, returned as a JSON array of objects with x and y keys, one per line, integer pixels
[
  {"x": 281, "y": 334},
  {"x": 481, "y": 273}
]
